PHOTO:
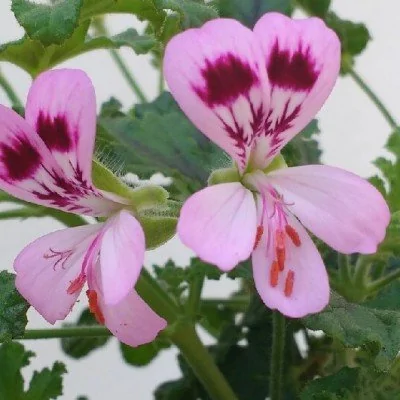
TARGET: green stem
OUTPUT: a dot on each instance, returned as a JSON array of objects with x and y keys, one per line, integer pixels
[
  {"x": 57, "y": 333},
  {"x": 374, "y": 98},
  {"x": 344, "y": 268},
  {"x": 277, "y": 356},
  {"x": 9, "y": 91},
  {"x": 201, "y": 362},
  {"x": 194, "y": 299},
  {"x": 237, "y": 303},
  {"x": 161, "y": 82},
  {"x": 382, "y": 282},
  {"x": 361, "y": 272},
  {"x": 128, "y": 76},
  {"x": 100, "y": 29}
]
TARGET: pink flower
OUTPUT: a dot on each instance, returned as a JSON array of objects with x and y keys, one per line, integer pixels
[
  {"x": 250, "y": 92},
  {"x": 47, "y": 159}
]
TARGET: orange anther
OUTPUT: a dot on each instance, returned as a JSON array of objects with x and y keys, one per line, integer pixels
[
  {"x": 260, "y": 231},
  {"x": 281, "y": 256},
  {"x": 294, "y": 236},
  {"x": 77, "y": 284},
  {"x": 280, "y": 239},
  {"x": 94, "y": 306},
  {"x": 274, "y": 274},
  {"x": 289, "y": 283}
]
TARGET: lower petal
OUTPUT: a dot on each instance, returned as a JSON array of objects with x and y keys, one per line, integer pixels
[
  {"x": 302, "y": 288},
  {"x": 121, "y": 256},
  {"x": 131, "y": 320},
  {"x": 49, "y": 270},
  {"x": 342, "y": 209},
  {"x": 219, "y": 224}
]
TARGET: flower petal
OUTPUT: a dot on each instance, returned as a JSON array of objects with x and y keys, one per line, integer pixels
[
  {"x": 31, "y": 172},
  {"x": 302, "y": 58},
  {"x": 121, "y": 256},
  {"x": 219, "y": 224},
  {"x": 216, "y": 75},
  {"x": 47, "y": 268},
  {"x": 61, "y": 108},
  {"x": 131, "y": 320},
  {"x": 304, "y": 272},
  {"x": 342, "y": 209}
]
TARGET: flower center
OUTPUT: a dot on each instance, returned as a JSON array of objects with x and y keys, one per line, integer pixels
[{"x": 279, "y": 233}]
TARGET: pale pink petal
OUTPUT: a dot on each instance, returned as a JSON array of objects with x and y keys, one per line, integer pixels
[
  {"x": 216, "y": 75},
  {"x": 49, "y": 270},
  {"x": 121, "y": 256},
  {"x": 61, "y": 108},
  {"x": 131, "y": 320},
  {"x": 342, "y": 209},
  {"x": 30, "y": 171},
  {"x": 219, "y": 224},
  {"x": 302, "y": 58},
  {"x": 310, "y": 290}
]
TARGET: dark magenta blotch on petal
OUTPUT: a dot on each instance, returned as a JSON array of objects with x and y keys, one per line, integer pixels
[
  {"x": 54, "y": 132},
  {"x": 295, "y": 71},
  {"x": 226, "y": 78},
  {"x": 20, "y": 159}
]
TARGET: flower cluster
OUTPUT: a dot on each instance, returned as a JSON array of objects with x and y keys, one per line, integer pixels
[{"x": 250, "y": 92}]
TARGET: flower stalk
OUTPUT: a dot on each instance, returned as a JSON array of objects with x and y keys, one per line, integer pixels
[{"x": 277, "y": 356}]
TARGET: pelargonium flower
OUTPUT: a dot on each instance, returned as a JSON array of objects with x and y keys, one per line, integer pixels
[
  {"x": 46, "y": 159},
  {"x": 251, "y": 92}
]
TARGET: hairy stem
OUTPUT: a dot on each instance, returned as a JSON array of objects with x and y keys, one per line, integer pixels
[
  {"x": 57, "y": 333},
  {"x": 201, "y": 362},
  {"x": 277, "y": 356},
  {"x": 374, "y": 98},
  {"x": 9, "y": 91}
]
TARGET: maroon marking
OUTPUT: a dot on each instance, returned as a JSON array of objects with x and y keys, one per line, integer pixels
[
  {"x": 296, "y": 71},
  {"x": 21, "y": 159},
  {"x": 226, "y": 78},
  {"x": 280, "y": 125},
  {"x": 54, "y": 132}
]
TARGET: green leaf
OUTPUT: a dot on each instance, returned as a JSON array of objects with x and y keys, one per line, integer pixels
[
  {"x": 391, "y": 170},
  {"x": 304, "y": 148},
  {"x": 77, "y": 347},
  {"x": 144, "y": 354},
  {"x": 337, "y": 386},
  {"x": 34, "y": 57},
  {"x": 192, "y": 13},
  {"x": 45, "y": 385},
  {"x": 13, "y": 308},
  {"x": 318, "y": 8},
  {"x": 359, "y": 325},
  {"x": 50, "y": 24},
  {"x": 249, "y": 12},
  {"x": 158, "y": 137},
  {"x": 354, "y": 38}
]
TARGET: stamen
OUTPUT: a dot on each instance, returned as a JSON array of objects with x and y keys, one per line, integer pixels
[
  {"x": 289, "y": 283},
  {"x": 260, "y": 231},
  {"x": 274, "y": 274},
  {"x": 77, "y": 284},
  {"x": 294, "y": 236},
  {"x": 280, "y": 249},
  {"x": 281, "y": 256},
  {"x": 94, "y": 306}
]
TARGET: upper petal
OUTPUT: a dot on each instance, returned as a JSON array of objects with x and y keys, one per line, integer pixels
[
  {"x": 342, "y": 209},
  {"x": 216, "y": 75},
  {"x": 302, "y": 58},
  {"x": 61, "y": 108},
  {"x": 219, "y": 224},
  {"x": 121, "y": 256},
  {"x": 47, "y": 267},
  {"x": 131, "y": 320},
  {"x": 40, "y": 173},
  {"x": 304, "y": 272}
]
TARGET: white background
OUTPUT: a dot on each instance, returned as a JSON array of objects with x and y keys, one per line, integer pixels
[{"x": 353, "y": 134}]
